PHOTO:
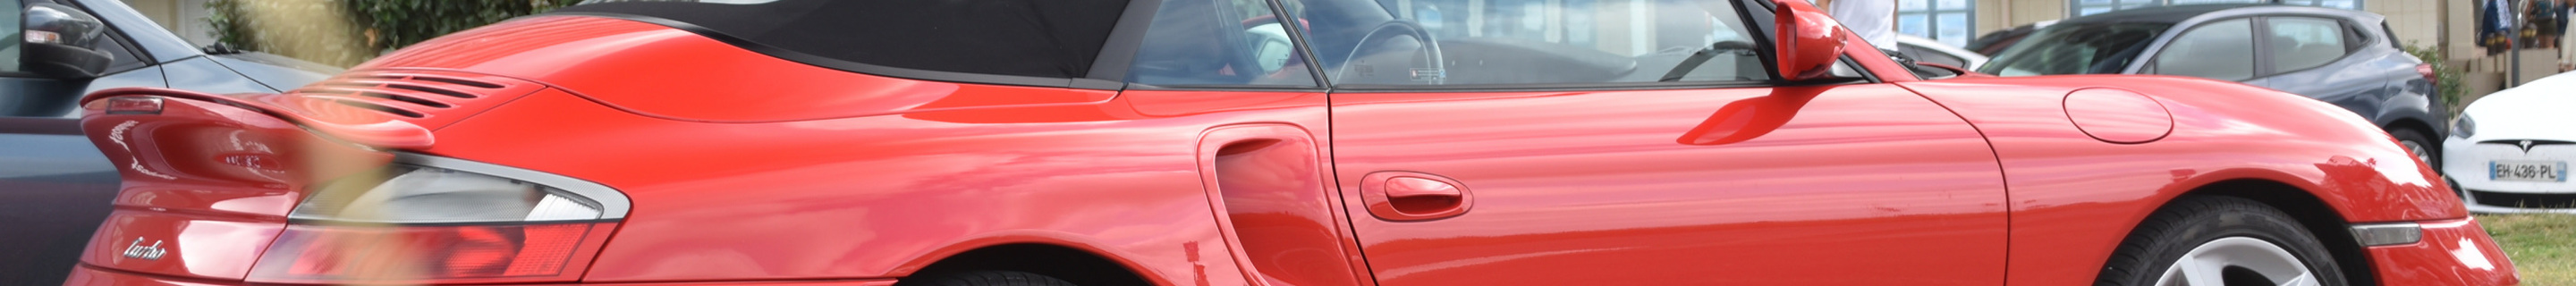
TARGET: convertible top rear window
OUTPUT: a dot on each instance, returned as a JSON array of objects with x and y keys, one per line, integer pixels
[{"x": 1034, "y": 38}]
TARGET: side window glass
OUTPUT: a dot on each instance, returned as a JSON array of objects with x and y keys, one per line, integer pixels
[
  {"x": 2222, "y": 50},
  {"x": 11, "y": 27},
  {"x": 1927, "y": 55},
  {"x": 2301, "y": 43},
  {"x": 124, "y": 56},
  {"x": 1219, "y": 43},
  {"x": 1538, "y": 42}
]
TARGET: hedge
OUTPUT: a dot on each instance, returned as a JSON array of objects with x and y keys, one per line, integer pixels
[
  {"x": 2448, "y": 82},
  {"x": 347, "y": 32}
]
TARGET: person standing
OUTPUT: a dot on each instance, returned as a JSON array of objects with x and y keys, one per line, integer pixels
[
  {"x": 2566, "y": 45},
  {"x": 1873, "y": 20},
  {"x": 2495, "y": 24},
  {"x": 2545, "y": 22}
]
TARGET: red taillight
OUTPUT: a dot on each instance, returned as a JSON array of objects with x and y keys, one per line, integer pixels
[
  {"x": 134, "y": 105},
  {"x": 429, "y": 254},
  {"x": 2427, "y": 71},
  {"x": 435, "y": 220}
]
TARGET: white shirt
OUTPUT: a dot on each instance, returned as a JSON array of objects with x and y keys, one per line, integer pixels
[
  {"x": 1873, "y": 20},
  {"x": 2567, "y": 45}
]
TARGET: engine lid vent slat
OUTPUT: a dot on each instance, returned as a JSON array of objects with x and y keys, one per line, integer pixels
[{"x": 429, "y": 98}]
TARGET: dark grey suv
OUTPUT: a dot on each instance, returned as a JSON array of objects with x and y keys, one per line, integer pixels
[{"x": 2343, "y": 57}]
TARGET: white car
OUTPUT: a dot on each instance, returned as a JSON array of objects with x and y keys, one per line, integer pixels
[
  {"x": 1933, "y": 51},
  {"x": 2508, "y": 153}
]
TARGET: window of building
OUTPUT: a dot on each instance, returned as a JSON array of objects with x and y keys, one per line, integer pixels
[
  {"x": 2090, "y": 7},
  {"x": 1951, "y": 22}
]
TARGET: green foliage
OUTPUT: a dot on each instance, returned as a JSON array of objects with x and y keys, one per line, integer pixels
[
  {"x": 264, "y": 25},
  {"x": 2447, "y": 78},
  {"x": 347, "y": 32},
  {"x": 394, "y": 24}
]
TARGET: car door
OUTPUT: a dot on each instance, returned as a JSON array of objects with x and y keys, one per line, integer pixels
[{"x": 1615, "y": 143}]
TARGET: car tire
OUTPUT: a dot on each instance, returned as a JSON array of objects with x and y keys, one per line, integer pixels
[
  {"x": 2416, "y": 141},
  {"x": 2228, "y": 240},
  {"x": 983, "y": 278}
]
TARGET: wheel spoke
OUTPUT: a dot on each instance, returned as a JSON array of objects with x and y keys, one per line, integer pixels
[
  {"x": 2200, "y": 273},
  {"x": 2304, "y": 279},
  {"x": 2421, "y": 154}
]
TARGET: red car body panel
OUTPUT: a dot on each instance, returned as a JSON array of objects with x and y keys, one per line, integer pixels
[
  {"x": 2450, "y": 242},
  {"x": 605, "y": 60},
  {"x": 91, "y": 276},
  {"x": 1613, "y": 184},
  {"x": 1062, "y": 166},
  {"x": 223, "y": 187},
  {"x": 2074, "y": 197},
  {"x": 1964, "y": 181}
]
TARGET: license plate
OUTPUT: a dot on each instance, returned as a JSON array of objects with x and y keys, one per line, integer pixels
[{"x": 2533, "y": 171}]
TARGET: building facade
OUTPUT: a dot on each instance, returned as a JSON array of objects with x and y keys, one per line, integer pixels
[{"x": 184, "y": 17}]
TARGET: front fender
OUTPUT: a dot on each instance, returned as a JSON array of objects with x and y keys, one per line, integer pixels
[{"x": 2063, "y": 184}]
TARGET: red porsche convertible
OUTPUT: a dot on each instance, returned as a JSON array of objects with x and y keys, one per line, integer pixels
[{"x": 1248, "y": 142}]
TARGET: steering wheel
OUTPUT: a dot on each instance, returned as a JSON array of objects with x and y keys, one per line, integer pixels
[
  {"x": 1271, "y": 50},
  {"x": 1428, "y": 70}
]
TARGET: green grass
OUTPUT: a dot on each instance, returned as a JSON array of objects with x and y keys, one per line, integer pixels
[{"x": 2543, "y": 246}]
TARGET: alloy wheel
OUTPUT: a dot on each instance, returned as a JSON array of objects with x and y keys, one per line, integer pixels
[
  {"x": 2421, "y": 155},
  {"x": 2237, "y": 261}
]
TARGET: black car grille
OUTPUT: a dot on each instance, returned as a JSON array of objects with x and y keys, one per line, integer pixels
[
  {"x": 2519, "y": 143},
  {"x": 2522, "y": 200}
]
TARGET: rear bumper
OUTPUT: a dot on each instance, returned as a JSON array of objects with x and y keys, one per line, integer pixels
[
  {"x": 2453, "y": 252},
  {"x": 86, "y": 275}
]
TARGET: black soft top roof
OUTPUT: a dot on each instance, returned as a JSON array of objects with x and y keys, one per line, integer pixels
[{"x": 1025, "y": 38}]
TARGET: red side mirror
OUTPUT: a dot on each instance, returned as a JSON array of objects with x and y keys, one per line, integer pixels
[{"x": 1810, "y": 41}]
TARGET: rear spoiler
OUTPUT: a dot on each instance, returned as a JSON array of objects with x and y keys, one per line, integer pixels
[{"x": 323, "y": 116}]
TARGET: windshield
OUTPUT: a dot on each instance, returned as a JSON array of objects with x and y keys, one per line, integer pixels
[{"x": 2085, "y": 48}]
